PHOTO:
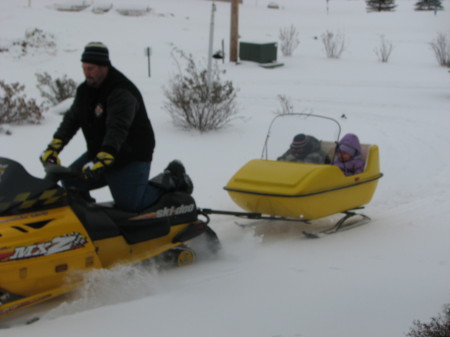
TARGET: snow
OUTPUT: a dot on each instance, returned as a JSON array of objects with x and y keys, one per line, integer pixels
[{"x": 370, "y": 281}]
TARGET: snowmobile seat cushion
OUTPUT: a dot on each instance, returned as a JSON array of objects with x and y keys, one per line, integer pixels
[
  {"x": 170, "y": 210},
  {"x": 135, "y": 228},
  {"x": 97, "y": 223}
]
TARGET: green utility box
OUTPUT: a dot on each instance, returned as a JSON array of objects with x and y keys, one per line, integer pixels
[{"x": 258, "y": 52}]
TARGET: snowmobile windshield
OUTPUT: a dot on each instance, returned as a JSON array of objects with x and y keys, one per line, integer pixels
[{"x": 21, "y": 192}]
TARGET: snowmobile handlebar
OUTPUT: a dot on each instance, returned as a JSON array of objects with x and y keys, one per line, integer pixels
[{"x": 56, "y": 172}]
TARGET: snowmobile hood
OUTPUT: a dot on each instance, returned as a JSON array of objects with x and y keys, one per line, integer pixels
[{"x": 20, "y": 190}]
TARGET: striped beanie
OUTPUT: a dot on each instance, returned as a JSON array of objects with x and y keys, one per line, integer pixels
[
  {"x": 299, "y": 141},
  {"x": 96, "y": 53}
]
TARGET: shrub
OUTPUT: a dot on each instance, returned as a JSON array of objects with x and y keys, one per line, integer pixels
[
  {"x": 289, "y": 40},
  {"x": 286, "y": 105},
  {"x": 380, "y": 5},
  {"x": 198, "y": 101},
  {"x": 438, "y": 327},
  {"x": 429, "y": 5},
  {"x": 384, "y": 50},
  {"x": 72, "y": 7},
  {"x": 134, "y": 11},
  {"x": 334, "y": 44},
  {"x": 441, "y": 48},
  {"x": 102, "y": 8},
  {"x": 55, "y": 91},
  {"x": 273, "y": 5},
  {"x": 15, "y": 108},
  {"x": 35, "y": 39}
]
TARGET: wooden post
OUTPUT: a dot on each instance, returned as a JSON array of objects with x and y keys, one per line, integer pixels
[{"x": 234, "y": 31}]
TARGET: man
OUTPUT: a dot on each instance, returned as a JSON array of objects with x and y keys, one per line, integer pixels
[
  {"x": 305, "y": 149},
  {"x": 110, "y": 111}
]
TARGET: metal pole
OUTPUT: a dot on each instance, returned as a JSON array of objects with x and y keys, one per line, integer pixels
[
  {"x": 210, "y": 48},
  {"x": 234, "y": 30},
  {"x": 148, "y": 52},
  {"x": 149, "y": 67},
  {"x": 223, "y": 51}
]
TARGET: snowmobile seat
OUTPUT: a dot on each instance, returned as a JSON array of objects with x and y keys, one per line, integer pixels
[
  {"x": 135, "y": 231},
  {"x": 104, "y": 221},
  {"x": 171, "y": 209},
  {"x": 93, "y": 217}
]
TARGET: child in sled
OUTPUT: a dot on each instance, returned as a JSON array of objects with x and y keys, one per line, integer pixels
[
  {"x": 305, "y": 149},
  {"x": 348, "y": 155}
]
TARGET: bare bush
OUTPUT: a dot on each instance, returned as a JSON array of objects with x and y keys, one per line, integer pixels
[
  {"x": 73, "y": 7},
  {"x": 286, "y": 105},
  {"x": 194, "y": 101},
  {"x": 441, "y": 48},
  {"x": 35, "y": 39},
  {"x": 134, "y": 11},
  {"x": 438, "y": 327},
  {"x": 55, "y": 90},
  {"x": 14, "y": 106},
  {"x": 380, "y": 5},
  {"x": 334, "y": 44},
  {"x": 273, "y": 5},
  {"x": 102, "y": 8},
  {"x": 384, "y": 50},
  {"x": 289, "y": 40}
]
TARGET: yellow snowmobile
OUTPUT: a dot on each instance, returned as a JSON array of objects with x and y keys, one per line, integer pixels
[{"x": 49, "y": 236}]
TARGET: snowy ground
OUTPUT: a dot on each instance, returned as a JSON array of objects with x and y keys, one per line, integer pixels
[{"x": 368, "y": 282}]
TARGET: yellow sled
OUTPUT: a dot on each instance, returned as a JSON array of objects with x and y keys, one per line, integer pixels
[
  {"x": 50, "y": 238},
  {"x": 303, "y": 191},
  {"x": 270, "y": 189}
]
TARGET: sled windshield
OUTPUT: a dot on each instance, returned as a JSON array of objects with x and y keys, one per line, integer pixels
[{"x": 285, "y": 127}]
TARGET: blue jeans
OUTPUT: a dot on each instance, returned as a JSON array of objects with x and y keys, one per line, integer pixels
[{"x": 128, "y": 184}]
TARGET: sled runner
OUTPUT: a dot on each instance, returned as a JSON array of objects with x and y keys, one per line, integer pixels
[
  {"x": 274, "y": 189},
  {"x": 49, "y": 237}
]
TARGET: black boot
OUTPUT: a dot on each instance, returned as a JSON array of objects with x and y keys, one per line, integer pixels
[
  {"x": 164, "y": 181},
  {"x": 182, "y": 181}
]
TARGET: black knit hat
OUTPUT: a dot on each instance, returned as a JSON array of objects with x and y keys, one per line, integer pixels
[
  {"x": 96, "y": 53},
  {"x": 299, "y": 141}
]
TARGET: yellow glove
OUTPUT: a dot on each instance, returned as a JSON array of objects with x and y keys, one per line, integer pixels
[
  {"x": 50, "y": 155},
  {"x": 98, "y": 165}
]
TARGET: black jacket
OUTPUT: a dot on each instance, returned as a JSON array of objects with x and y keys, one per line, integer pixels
[{"x": 113, "y": 119}]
